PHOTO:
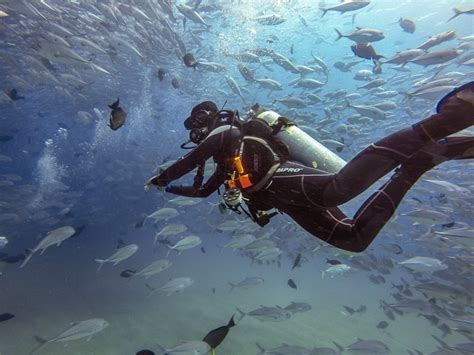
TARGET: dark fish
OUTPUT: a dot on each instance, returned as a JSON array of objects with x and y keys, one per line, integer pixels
[
  {"x": 189, "y": 61},
  {"x": 139, "y": 223},
  {"x": 196, "y": 5},
  {"x": 127, "y": 273},
  {"x": 292, "y": 284},
  {"x": 13, "y": 94},
  {"x": 6, "y": 316},
  {"x": 297, "y": 261},
  {"x": 145, "y": 352},
  {"x": 339, "y": 149},
  {"x": 175, "y": 83},
  {"x": 203, "y": 250},
  {"x": 377, "y": 68},
  {"x": 292, "y": 51},
  {"x": 445, "y": 329},
  {"x": 117, "y": 116},
  {"x": 350, "y": 310},
  {"x": 216, "y": 336},
  {"x": 382, "y": 325},
  {"x": 13, "y": 259},
  {"x": 366, "y": 51},
  {"x": 389, "y": 314},
  {"x": 248, "y": 74},
  {"x": 333, "y": 261},
  {"x": 161, "y": 74},
  {"x": 431, "y": 318},
  {"x": 374, "y": 279},
  {"x": 5, "y": 138},
  {"x": 79, "y": 230},
  {"x": 397, "y": 296},
  {"x": 407, "y": 25},
  {"x": 214, "y": 290}
]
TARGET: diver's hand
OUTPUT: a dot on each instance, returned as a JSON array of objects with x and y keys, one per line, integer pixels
[{"x": 155, "y": 182}]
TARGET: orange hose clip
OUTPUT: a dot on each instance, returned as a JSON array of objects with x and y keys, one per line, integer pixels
[
  {"x": 245, "y": 181},
  {"x": 238, "y": 165}
]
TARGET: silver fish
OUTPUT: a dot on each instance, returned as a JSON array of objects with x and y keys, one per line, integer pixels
[
  {"x": 346, "y": 6},
  {"x": 175, "y": 285},
  {"x": 54, "y": 237},
  {"x": 78, "y": 330},
  {"x": 248, "y": 281},
  {"x": 264, "y": 313},
  {"x": 196, "y": 347},
  {"x": 154, "y": 268},
  {"x": 120, "y": 255},
  {"x": 423, "y": 263}
]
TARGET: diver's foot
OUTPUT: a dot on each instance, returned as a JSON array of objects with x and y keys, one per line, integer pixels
[
  {"x": 455, "y": 112},
  {"x": 459, "y": 100}
]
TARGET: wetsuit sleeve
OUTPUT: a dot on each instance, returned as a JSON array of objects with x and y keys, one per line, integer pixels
[
  {"x": 210, "y": 147},
  {"x": 211, "y": 185}
]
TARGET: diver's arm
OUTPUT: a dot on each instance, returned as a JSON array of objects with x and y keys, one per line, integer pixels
[
  {"x": 211, "y": 185},
  {"x": 209, "y": 147}
]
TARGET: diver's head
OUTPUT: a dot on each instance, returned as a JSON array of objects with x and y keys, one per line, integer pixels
[{"x": 201, "y": 120}]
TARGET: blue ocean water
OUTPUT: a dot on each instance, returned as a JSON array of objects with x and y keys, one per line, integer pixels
[{"x": 61, "y": 165}]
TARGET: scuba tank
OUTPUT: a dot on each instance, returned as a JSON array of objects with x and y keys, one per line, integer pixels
[{"x": 303, "y": 148}]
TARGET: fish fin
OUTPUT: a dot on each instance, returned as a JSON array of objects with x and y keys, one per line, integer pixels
[
  {"x": 115, "y": 104},
  {"x": 457, "y": 12},
  {"x": 339, "y": 34},
  {"x": 242, "y": 314}
]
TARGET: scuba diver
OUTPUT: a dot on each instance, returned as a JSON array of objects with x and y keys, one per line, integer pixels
[{"x": 270, "y": 164}]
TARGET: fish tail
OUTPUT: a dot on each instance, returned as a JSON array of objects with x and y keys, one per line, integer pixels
[
  {"x": 408, "y": 96},
  {"x": 43, "y": 343},
  {"x": 101, "y": 263},
  {"x": 261, "y": 350},
  {"x": 242, "y": 314},
  {"x": 232, "y": 286},
  {"x": 338, "y": 346},
  {"x": 231, "y": 322},
  {"x": 339, "y": 34},
  {"x": 324, "y": 12},
  {"x": 28, "y": 257},
  {"x": 457, "y": 12},
  {"x": 161, "y": 350},
  {"x": 115, "y": 104}
]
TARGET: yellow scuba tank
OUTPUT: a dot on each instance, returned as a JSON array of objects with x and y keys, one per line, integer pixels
[{"x": 303, "y": 148}]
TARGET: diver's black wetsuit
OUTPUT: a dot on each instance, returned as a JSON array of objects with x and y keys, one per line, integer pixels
[
  {"x": 221, "y": 144},
  {"x": 311, "y": 196}
]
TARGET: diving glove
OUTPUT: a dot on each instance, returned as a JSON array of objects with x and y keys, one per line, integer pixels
[{"x": 155, "y": 182}]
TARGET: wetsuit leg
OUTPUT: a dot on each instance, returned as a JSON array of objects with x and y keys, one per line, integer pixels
[
  {"x": 334, "y": 227},
  {"x": 383, "y": 156}
]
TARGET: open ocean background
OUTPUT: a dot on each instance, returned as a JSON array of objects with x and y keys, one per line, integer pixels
[{"x": 61, "y": 165}]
